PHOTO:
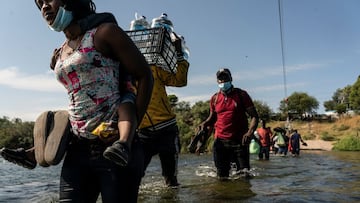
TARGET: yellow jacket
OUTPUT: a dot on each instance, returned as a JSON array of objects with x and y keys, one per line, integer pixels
[{"x": 159, "y": 109}]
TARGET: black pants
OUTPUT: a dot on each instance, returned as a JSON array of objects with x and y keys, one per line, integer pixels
[
  {"x": 264, "y": 150},
  {"x": 86, "y": 173},
  {"x": 164, "y": 142},
  {"x": 227, "y": 151}
]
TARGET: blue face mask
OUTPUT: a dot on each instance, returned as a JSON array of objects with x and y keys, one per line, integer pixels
[
  {"x": 62, "y": 20},
  {"x": 225, "y": 86}
]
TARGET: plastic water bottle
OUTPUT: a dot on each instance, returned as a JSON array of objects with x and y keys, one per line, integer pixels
[
  {"x": 139, "y": 23},
  {"x": 185, "y": 49},
  {"x": 163, "y": 21}
]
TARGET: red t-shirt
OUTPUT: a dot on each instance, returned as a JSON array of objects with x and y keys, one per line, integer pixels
[
  {"x": 264, "y": 136},
  {"x": 231, "y": 122}
]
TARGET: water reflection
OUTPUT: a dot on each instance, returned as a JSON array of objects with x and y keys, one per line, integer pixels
[
  {"x": 229, "y": 190},
  {"x": 315, "y": 176}
]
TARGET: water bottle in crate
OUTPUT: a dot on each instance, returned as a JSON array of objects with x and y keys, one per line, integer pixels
[
  {"x": 156, "y": 46},
  {"x": 185, "y": 49},
  {"x": 163, "y": 21},
  {"x": 139, "y": 23}
]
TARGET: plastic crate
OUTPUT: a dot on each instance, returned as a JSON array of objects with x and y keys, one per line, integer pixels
[{"x": 156, "y": 46}]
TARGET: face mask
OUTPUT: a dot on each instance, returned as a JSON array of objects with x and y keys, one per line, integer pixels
[
  {"x": 225, "y": 86},
  {"x": 62, "y": 20}
]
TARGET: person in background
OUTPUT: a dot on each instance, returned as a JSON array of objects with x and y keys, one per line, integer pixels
[
  {"x": 275, "y": 146},
  {"x": 294, "y": 143},
  {"x": 158, "y": 130},
  {"x": 281, "y": 140},
  {"x": 265, "y": 136},
  {"x": 230, "y": 109},
  {"x": 89, "y": 66}
]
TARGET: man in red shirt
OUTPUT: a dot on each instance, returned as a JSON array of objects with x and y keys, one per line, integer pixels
[
  {"x": 265, "y": 137},
  {"x": 229, "y": 112}
]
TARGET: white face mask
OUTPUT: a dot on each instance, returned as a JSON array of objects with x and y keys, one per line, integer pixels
[{"x": 62, "y": 20}]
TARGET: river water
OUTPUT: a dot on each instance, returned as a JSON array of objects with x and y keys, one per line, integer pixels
[{"x": 315, "y": 176}]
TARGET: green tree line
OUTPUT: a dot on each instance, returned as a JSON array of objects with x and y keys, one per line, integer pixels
[
  {"x": 16, "y": 133},
  {"x": 345, "y": 99}
]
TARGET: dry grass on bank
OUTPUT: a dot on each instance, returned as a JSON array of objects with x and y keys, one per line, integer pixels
[{"x": 325, "y": 130}]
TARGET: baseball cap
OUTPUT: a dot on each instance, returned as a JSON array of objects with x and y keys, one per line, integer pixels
[{"x": 223, "y": 74}]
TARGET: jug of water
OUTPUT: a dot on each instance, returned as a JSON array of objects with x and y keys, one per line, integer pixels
[
  {"x": 139, "y": 23},
  {"x": 185, "y": 49},
  {"x": 162, "y": 21}
]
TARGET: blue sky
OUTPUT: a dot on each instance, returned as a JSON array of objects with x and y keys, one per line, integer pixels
[{"x": 321, "y": 49}]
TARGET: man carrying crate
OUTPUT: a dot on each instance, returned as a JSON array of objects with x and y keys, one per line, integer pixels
[{"x": 158, "y": 129}]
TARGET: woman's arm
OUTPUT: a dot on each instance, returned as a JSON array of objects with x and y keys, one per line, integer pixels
[{"x": 113, "y": 42}]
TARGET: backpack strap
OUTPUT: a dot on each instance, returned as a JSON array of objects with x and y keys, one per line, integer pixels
[
  {"x": 239, "y": 94},
  {"x": 214, "y": 99}
]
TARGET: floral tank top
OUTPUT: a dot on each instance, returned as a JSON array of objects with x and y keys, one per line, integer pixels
[{"x": 92, "y": 84}]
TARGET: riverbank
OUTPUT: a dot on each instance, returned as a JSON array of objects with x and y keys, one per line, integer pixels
[
  {"x": 323, "y": 135},
  {"x": 318, "y": 145}
]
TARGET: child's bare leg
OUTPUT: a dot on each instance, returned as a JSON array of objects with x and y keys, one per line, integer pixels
[
  {"x": 127, "y": 122},
  {"x": 119, "y": 151}
]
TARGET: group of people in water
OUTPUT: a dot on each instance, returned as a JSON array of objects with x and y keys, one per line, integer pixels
[
  {"x": 110, "y": 85},
  {"x": 280, "y": 141}
]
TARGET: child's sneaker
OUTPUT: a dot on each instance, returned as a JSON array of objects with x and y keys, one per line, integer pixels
[{"x": 118, "y": 153}]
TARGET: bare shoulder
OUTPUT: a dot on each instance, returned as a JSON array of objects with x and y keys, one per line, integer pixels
[
  {"x": 109, "y": 37},
  {"x": 108, "y": 29}
]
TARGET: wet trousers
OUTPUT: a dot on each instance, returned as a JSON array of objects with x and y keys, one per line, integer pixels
[
  {"x": 264, "y": 151},
  {"x": 226, "y": 152},
  {"x": 164, "y": 142},
  {"x": 86, "y": 173}
]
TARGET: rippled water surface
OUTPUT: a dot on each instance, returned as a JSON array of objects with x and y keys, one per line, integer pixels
[{"x": 315, "y": 176}]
